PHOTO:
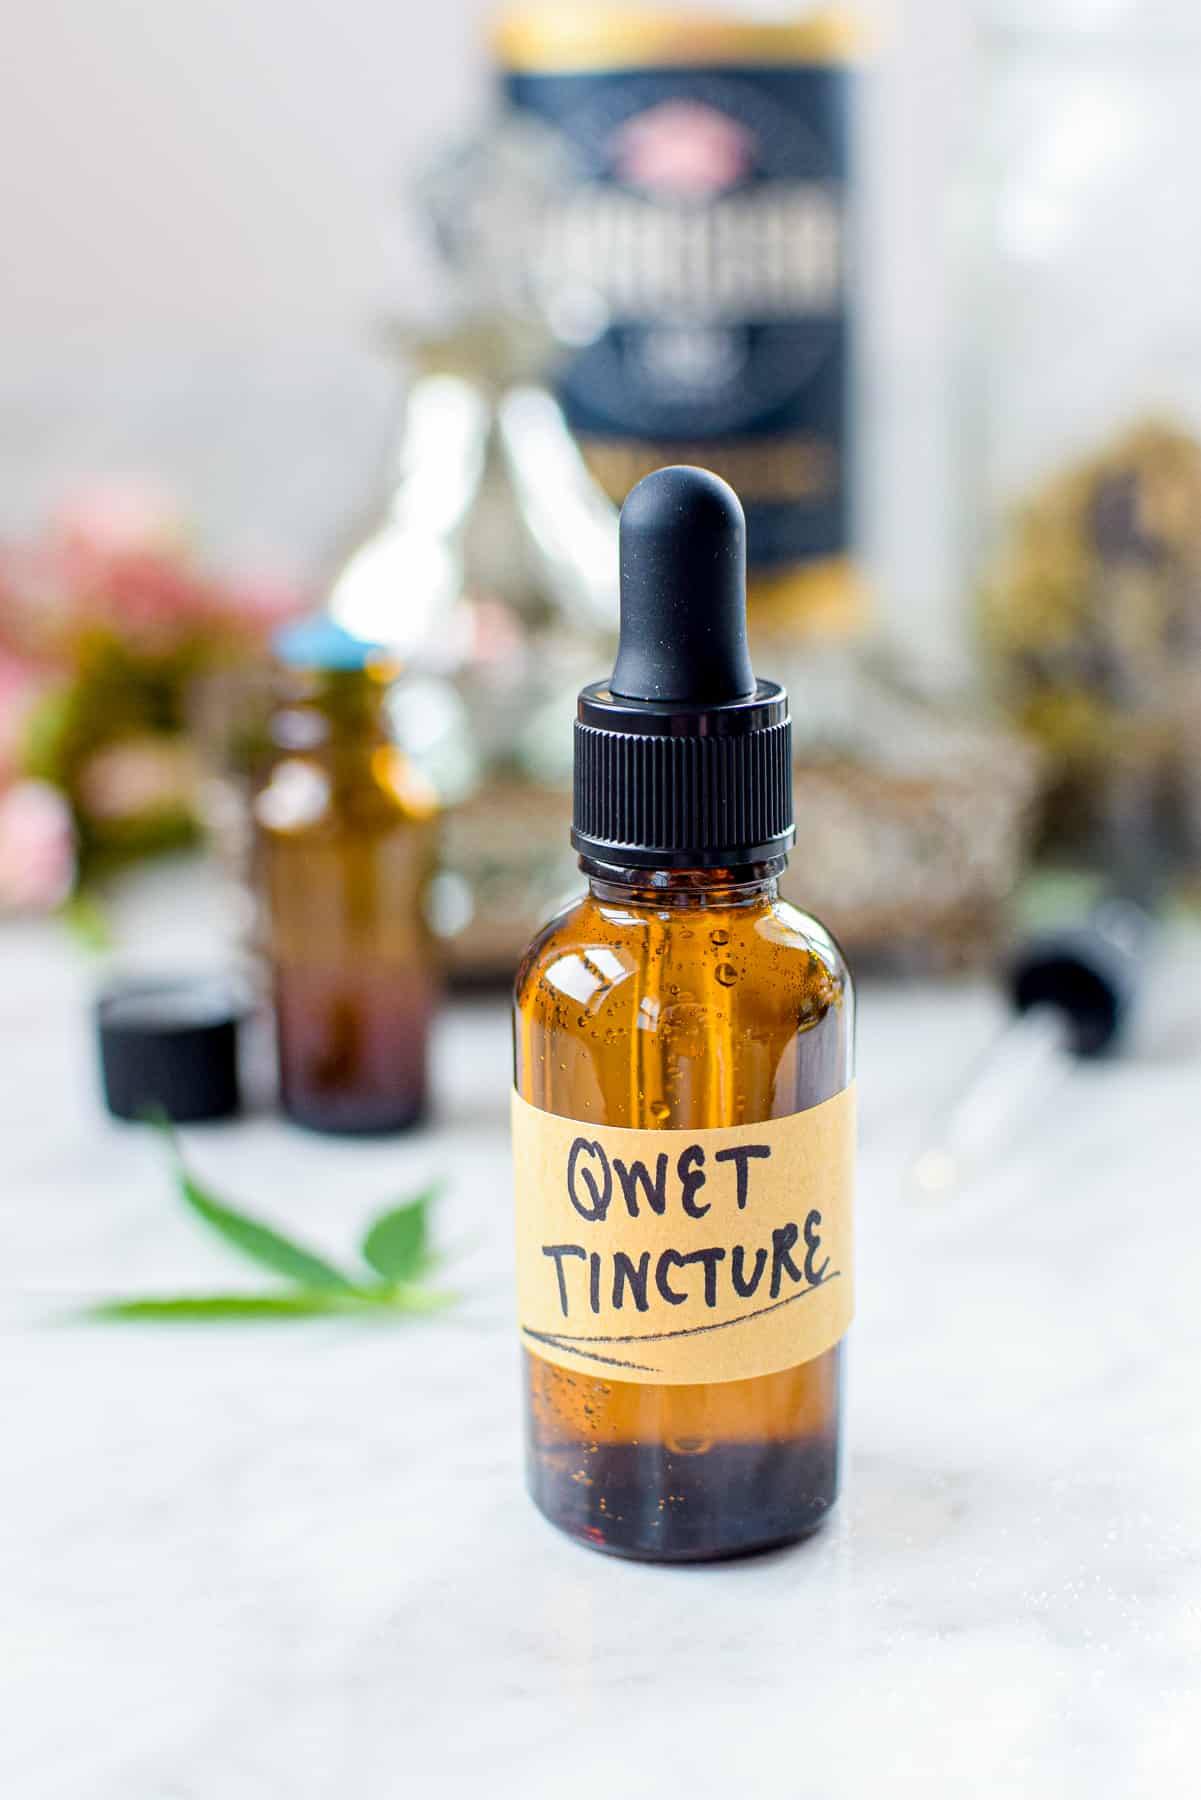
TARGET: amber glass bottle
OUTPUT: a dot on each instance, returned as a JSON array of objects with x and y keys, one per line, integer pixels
[
  {"x": 682, "y": 999},
  {"x": 345, "y": 849}
]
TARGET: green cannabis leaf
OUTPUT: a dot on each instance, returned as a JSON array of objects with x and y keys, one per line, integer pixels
[
  {"x": 303, "y": 1303},
  {"x": 396, "y": 1248},
  {"x": 298, "y": 1303},
  {"x": 397, "y": 1244},
  {"x": 259, "y": 1242}
]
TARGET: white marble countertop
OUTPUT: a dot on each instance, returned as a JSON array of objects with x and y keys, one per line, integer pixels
[{"x": 248, "y": 1561}]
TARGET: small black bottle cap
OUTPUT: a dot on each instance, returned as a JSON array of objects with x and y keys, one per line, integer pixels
[
  {"x": 682, "y": 759},
  {"x": 1090, "y": 972},
  {"x": 170, "y": 1047}
]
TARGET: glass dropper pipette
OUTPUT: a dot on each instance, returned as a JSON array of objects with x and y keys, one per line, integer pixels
[{"x": 1071, "y": 993}]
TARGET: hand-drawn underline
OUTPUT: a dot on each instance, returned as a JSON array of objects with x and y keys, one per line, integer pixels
[{"x": 559, "y": 1340}]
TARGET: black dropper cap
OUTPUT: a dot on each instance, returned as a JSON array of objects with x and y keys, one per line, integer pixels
[
  {"x": 682, "y": 759},
  {"x": 1090, "y": 972}
]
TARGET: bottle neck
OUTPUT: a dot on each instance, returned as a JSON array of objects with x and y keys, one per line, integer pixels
[
  {"x": 343, "y": 718},
  {"x": 338, "y": 717},
  {"x": 352, "y": 703},
  {"x": 684, "y": 888}
]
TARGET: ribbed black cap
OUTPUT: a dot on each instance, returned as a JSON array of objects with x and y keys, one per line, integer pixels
[
  {"x": 170, "y": 1047},
  {"x": 682, "y": 759}
]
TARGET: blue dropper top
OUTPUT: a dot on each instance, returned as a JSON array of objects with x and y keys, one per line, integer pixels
[{"x": 320, "y": 643}]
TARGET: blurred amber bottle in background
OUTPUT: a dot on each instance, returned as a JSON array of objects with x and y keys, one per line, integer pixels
[{"x": 345, "y": 831}]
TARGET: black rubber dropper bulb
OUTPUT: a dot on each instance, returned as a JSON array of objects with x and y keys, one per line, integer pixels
[
  {"x": 682, "y": 758},
  {"x": 683, "y": 591}
]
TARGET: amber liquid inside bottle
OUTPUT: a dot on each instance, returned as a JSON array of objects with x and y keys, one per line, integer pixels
[
  {"x": 667, "y": 1002},
  {"x": 345, "y": 852}
]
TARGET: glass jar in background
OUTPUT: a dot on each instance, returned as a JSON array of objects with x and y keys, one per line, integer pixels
[
  {"x": 692, "y": 258},
  {"x": 345, "y": 848},
  {"x": 1086, "y": 415},
  {"x": 678, "y": 138}
]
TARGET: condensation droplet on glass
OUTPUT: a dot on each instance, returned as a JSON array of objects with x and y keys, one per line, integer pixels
[
  {"x": 688, "y": 1446},
  {"x": 719, "y": 938},
  {"x": 659, "y": 1109},
  {"x": 727, "y": 974}
]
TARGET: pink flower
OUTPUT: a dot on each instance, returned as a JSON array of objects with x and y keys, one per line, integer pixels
[
  {"x": 258, "y": 604},
  {"x": 107, "y": 521},
  {"x": 37, "y": 848},
  {"x": 116, "y": 563},
  {"x": 150, "y": 602}
]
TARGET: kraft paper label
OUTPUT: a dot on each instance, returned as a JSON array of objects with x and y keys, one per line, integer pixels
[{"x": 684, "y": 1256}]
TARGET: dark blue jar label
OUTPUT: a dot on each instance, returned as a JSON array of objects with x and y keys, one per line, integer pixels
[{"x": 698, "y": 258}]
